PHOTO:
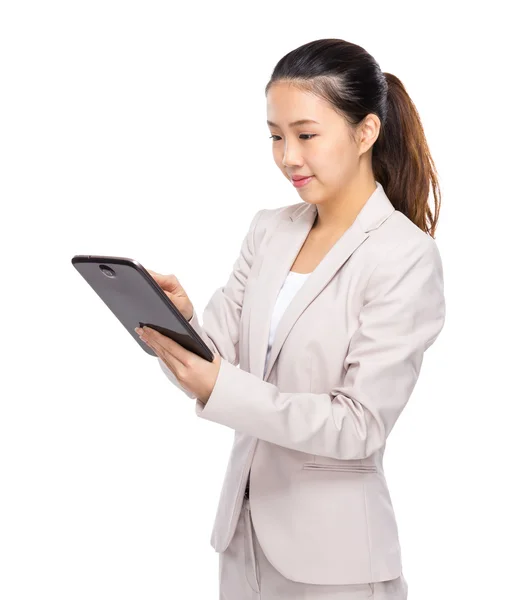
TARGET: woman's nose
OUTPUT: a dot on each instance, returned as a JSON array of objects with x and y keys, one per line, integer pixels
[{"x": 292, "y": 158}]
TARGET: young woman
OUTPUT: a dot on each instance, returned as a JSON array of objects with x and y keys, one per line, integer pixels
[{"x": 329, "y": 309}]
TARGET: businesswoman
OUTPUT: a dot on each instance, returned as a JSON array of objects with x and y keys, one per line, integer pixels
[{"x": 329, "y": 309}]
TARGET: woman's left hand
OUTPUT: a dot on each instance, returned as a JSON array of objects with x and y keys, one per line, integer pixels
[{"x": 194, "y": 373}]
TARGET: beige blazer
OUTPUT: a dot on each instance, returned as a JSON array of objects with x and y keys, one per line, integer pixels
[{"x": 345, "y": 359}]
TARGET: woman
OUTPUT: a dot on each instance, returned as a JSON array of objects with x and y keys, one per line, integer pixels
[{"x": 329, "y": 309}]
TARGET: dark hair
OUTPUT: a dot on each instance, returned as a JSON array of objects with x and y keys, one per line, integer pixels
[{"x": 350, "y": 79}]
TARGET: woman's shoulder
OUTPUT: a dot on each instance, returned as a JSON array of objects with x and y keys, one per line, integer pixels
[
  {"x": 399, "y": 232},
  {"x": 400, "y": 246}
]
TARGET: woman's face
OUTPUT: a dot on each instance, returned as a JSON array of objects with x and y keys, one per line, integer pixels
[{"x": 325, "y": 150}]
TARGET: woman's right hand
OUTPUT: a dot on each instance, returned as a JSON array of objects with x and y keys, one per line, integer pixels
[{"x": 171, "y": 286}]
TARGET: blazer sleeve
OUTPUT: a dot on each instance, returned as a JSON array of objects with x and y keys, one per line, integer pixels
[
  {"x": 402, "y": 315},
  {"x": 221, "y": 316}
]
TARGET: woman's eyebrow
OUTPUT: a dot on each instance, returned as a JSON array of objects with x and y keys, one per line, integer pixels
[{"x": 299, "y": 122}]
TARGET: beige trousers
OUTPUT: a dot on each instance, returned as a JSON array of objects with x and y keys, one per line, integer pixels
[{"x": 246, "y": 574}]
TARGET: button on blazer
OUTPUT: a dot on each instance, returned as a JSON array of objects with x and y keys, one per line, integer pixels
[{"x": 344, "y": 361}]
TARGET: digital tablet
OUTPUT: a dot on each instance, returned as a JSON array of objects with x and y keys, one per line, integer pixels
[{"x": 136, "y": 299}]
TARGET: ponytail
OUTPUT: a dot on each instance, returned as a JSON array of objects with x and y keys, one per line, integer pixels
[{"x": 402, "y": 162}]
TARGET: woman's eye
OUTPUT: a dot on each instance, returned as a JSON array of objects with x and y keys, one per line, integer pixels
[{"x": 308, "y": 136}]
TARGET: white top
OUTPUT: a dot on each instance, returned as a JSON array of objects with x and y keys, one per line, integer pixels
[{"x": 290, "y": 287}]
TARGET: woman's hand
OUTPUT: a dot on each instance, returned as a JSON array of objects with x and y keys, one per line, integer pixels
[
  {"x": 194, "y": 373},
  {"x": 174, "y": 290}
]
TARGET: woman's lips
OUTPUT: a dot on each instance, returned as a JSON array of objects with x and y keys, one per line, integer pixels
[{"x": 300, "y": 182}]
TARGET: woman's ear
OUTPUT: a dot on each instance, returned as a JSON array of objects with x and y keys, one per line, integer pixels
[{"x": 368, "y": 132}]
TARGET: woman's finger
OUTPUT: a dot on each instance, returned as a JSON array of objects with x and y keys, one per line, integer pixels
[
  {"x": 166, "y": 348},
  {"x": 167, "y": 343},
  {"x": 171, "y": 362}
]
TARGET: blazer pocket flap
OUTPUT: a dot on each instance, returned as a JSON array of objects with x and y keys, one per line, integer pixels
[{"x": 343, "y": 468}]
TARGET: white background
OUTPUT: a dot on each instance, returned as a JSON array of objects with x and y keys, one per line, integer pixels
[{"x": 138, "y": 129}]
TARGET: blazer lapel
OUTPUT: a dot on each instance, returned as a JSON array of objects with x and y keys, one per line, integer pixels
[{"x": 279, "y": 255}]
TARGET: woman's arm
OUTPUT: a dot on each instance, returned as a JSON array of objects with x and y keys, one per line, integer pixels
[
  {"x": 221, "y": 317},
  {"x": 403, "y": 313}
]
